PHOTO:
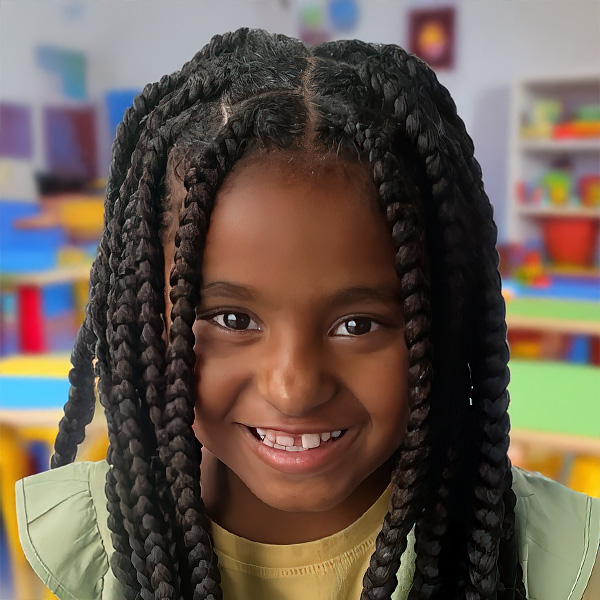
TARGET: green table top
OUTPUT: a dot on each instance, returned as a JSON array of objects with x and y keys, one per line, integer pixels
[
  {"x": 569, "y": 310},
  {"x": 555, "y": 397}
]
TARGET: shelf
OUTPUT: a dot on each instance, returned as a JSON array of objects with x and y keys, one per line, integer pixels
[
  {"x": 556, "y": 442},
  {"x": 558, "y": 146},
  {"x": 587, "y": 212},
  {"x": 542, "y": 83},
  {"x": 65, "y": 274},
  {"x": 574, "y": 317},
  {"x": 547, "y": 325},
  {"x": 573, "y": 272}
]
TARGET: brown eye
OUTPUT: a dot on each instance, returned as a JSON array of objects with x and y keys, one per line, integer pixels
[
  {"x": 234, "y": 321},
  {"x": 356, "y": 326}
]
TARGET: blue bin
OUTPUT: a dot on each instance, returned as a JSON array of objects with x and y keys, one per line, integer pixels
[{"x": 117, "y": 102}]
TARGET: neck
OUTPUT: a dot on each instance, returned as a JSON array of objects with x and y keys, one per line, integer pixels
[{"x": 233, "y": 506}]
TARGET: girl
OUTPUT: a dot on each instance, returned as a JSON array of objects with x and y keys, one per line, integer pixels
[{"x": 297, "y": 285}]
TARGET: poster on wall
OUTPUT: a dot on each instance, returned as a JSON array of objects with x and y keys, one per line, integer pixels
[
  {"x": 15, "y": 133},
  {"x": 70, "y": 141},
  {"x": 323, "y": 20},
  {"x": 431, "y": 36},
  {"x": 65, "y": 73}
]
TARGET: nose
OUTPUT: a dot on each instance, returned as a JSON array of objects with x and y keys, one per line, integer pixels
[{"x": 292, "y": 376}]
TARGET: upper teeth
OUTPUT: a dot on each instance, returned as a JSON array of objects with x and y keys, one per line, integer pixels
[{"x": 294, "y": 443}]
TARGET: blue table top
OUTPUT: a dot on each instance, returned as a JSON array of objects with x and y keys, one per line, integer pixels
[
  {"x": 560, "y": 288},
  {"x": 33, "y": 393}
]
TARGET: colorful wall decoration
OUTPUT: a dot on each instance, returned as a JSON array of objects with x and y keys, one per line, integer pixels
[
  {"x": 70, "y": 139},
  {"x": 431, "y": 36},
  {"x": 322, "y": 20},
  {"x": 15, "y": 131},
  {"x": 70, "y": 68}
]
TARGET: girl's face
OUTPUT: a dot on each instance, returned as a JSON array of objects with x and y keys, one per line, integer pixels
[{"x": 299, "y": 337}]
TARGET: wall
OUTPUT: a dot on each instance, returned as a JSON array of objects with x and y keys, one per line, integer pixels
[{"x": 130, "y": 43}]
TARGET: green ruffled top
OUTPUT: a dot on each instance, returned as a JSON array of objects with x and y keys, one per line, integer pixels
[{"x": 63, "y": 529}]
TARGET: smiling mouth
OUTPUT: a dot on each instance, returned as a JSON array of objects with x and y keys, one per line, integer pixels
[{"x": 295, "y": 443}]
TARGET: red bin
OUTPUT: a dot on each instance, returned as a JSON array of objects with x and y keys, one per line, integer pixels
[{"x": 571, "y": 240}]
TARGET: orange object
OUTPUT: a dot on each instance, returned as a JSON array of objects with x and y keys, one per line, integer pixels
[
  {"x": 14, "y": 465},
  {"x": 585, "y": 475},
  {"x": 589, "y": 190},
  {"x": 82, "y": 217},
  {"x": 570, "y": 240},
  {"x": 577, "y": 129}
]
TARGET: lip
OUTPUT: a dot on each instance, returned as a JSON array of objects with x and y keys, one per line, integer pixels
[
  {"x": 297, "y": 463},
  {"x": 297, "y": 430}
]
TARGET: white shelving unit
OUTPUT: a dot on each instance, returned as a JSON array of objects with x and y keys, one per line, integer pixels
[
  {"x": 533, "y": 211},
  {"x": 530, "y": 157}
]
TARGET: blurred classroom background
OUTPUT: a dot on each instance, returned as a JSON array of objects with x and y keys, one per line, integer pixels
[{"x": 526, "y": 79}]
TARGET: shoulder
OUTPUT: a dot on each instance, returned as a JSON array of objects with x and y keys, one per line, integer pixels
[
  {"x": 558, "y": 532},
  {"x": 62, "y": 519}
]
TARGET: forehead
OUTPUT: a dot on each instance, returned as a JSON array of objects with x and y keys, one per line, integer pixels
[
  {"x": 296, "y": 226},
  {"x": 304, "y": 167}
]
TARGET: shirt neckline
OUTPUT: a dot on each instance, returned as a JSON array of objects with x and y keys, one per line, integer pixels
[{"x": 290, "y": 556}]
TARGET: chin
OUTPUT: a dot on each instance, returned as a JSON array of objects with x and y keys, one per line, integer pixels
[{"x": 304, "y": 498}]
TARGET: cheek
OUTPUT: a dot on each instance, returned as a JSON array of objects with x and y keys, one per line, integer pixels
[
  {"x": 384, "y": 395},
  {"x": 220, "y": 380},
  {"x": 214, "y": 394},
  {"x": 216, "y": 387}
]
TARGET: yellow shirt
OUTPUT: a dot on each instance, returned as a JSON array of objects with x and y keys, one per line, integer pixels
[{"x": 327, "y": 569}]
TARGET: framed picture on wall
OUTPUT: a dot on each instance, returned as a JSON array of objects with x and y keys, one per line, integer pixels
[{"x": 431, "y": 36}]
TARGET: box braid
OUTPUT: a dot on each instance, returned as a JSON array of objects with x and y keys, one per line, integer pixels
[
  {"x": 249, "y": 91},
  {"x": 494, "y": 447},
  {"x": 490, "y": 375}
]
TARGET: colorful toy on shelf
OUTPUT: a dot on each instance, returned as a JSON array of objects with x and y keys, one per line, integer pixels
[
  {"x": 557, "y": 185},
  {"x": 82, "y": 217},
  {"x": 576, "y": 130},
  {"x": 557, "y": 188},
  {"x": 45, "y": 312},
  {"x": 530, "y": 194},
  {"x": 534, "y": 344},
  {"x": 558, "y": 322},
  {"x": 79, "y": 215},
  {"x": 545, "y": 113},
  {"x": 530, "y": 269},
  {"x": 588, "y": 113},
  {"x": 23, "y": 251},
  {"x": 580, "y": 349},
  {"x": 548, "y": 118},
  {"x": 43, "y": 286},
  {"x": 585, "y": 123},
  {"x": 589, "y": 190}
]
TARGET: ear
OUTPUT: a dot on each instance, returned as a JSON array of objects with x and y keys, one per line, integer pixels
[{"x": 196, "y": 426}]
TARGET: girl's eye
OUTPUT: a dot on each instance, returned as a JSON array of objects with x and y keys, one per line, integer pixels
[
  {"x": 235, "y": 321},
  {"x": 356, "y": 326}
]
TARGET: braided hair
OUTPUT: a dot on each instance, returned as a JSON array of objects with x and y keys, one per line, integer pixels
[{"x": 248, "y": 91}]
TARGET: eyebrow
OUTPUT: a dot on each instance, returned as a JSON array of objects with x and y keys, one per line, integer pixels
[
  {"x": 384, "y": 293},
  {"x": 229, "y": 290}
]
